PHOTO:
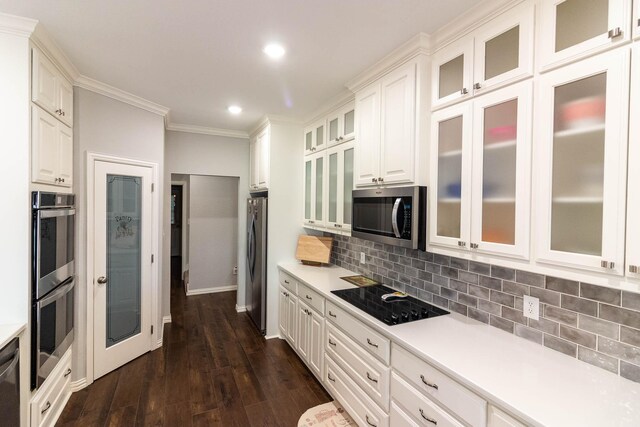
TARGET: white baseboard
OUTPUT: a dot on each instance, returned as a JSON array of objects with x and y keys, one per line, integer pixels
[
  {"x": 166, "y": 319},
  {"x": 157, "y": 345},
  {"x": 78, "y": 385},
  {"x": 241, "y": 308},
  {"x": 270, "y": 337},
  {"x": 212, "y": 290}
]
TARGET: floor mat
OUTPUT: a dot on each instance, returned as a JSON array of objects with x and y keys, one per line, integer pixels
[{"x": 326, "y": 415}]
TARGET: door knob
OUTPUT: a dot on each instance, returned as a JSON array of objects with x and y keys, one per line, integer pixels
[{"x": 102, "y": 280}]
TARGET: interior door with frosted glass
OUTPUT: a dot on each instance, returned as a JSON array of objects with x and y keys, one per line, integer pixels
[{"x": 122, "y": 264}]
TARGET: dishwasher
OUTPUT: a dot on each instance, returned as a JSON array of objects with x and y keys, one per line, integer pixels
[{"x": 10, "y": 384}]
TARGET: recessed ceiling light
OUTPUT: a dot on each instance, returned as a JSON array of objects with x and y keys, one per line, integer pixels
[
  {"x": 274, "y": 51},
  {"x": 234, "y": 109}
]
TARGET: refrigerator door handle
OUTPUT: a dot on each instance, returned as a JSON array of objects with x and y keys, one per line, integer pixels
[{"x": 250, "y": 248}]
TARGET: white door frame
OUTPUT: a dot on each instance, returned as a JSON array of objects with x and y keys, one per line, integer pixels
[
  {"x": 154, "y": 343},
  {"x": 185, "y": 222}
]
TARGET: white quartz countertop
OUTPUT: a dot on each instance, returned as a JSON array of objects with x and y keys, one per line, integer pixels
[
  {"x": 9, "y": 331},
  {"x": 539, "y": 385}
]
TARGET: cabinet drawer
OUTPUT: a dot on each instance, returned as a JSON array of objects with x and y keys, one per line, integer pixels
[
  {"x": 374, "y": 342},
  {"x": 461, "y": 401},
  {"x": 419, "y": 407},
  {"x": 361, "y": 408},
  {"x": 370, "y": 374},
  {"x": 49, "y": 401},
  {"x": 399, "y": 418},
  {"x": 288, "y": 282},
  {"x": 497, "y": 418},
  {"x": 311, "y": 298}
]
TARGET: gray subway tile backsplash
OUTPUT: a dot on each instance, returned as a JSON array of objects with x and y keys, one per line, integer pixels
[{"x": 598, "y": 325}]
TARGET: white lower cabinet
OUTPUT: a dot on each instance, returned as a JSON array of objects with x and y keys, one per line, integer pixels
[
  {"x": 49, "y": 401},
  {"x": 357, "y": 403}
]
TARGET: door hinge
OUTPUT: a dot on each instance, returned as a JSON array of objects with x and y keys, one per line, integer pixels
[
  {"x": 152, "y": 258},
  {"x": 151, "y": 329},
  {"x": 153, "y": 186}
]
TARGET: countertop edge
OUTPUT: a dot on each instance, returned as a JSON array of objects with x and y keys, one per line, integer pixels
[{"x": 9, "y": 331}]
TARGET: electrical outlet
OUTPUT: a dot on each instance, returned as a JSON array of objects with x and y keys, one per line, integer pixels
[
  {"x": 363, "y": 259},
  {"x": 235, "y": 270},
  {"x": 531, "y": 307}
]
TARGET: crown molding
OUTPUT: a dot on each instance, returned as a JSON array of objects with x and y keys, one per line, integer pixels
[
  {"x": 469, "y": 21},
  {"x": 17, "y": 25},
  {"x": 96, "y": 86},
  {"x": 203, "y": 130},
  {"x": 417, "y": 45},
  {"x": 273, "y": 119},
  {"x": 48, "y": 46},
  {"x": 338, "y": 101}
]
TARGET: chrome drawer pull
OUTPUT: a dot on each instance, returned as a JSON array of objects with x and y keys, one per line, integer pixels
[
  {"x": 286, "y": 281},
  {"x": 47, "y": 407},
  {"x": 66, "y": 374},
  {"x": 371, "y": 379},
  {"x": 371, "y": 343},
  {"x": 435, "y": 386},
  {"x": 308, "y": 297},
  {"x": 369, "y": 422},
  {"x": 434, "y": 422},
  {"x": 330, "y": 379},
  {"x": 331, "y": 314},
  {"x": 332, "y": 343}
]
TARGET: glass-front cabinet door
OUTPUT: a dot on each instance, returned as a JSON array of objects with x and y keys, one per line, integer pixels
[
  {"x": 501, "y": 179},
  {"x": 451, "y": 169},
  {"x": 582, "y": 141},
  {"x": 314, "y": 138},
  {"x": 504, "y": 49},
  {"x": 339, "y": 187},
  {"x": 314, "y": 190},
  {"x": 633, "y": 186},
  {"x": 341, "y": 125},
  {"x": 452, "y": 73},
  {"x": 572, "y": 29}
]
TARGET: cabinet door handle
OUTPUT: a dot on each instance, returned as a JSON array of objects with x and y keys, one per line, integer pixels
[
  {"x": 431, "y": 420},
  {"x": 58, "y": 111},
  {"x": 66, "y": 374},
  {"x": 371, "y": 379},
  {"x": 473, "y": 246},
  {"x": 464, "y": 91},
  {"x": 614, "y": 32},
  {"x": 374, "y": 180},
  {"x": 331, "y": 314},
  {"x": 380, "y": 179},
  {"x": 633, "y": 269},
  {"x": 372, "y": 344},
  {"x": 46, "y": 408},
  {"x": 308, "y": 297},
  {"x": 331, "y": 379},
  {"x": 476, "y": 86},
  {"x": 332, "y": 343},
  {"x": 427, "y": 383},
  {"x": 369, "y": 422}
]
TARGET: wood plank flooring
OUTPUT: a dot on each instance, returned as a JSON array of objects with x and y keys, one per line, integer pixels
[{"x": 213, "y": 370}]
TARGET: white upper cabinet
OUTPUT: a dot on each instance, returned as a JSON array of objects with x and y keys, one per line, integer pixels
[
  {"x": 368, "y": 135},
  {"x": 481, "y": 168},
  {"x": 572, "y": 29},
  {"x": 339, "y": 187},
  {"x": 452, "y": 73},
  {"x": 314, "y": 189},
  {"x": 498, "y": 53},
  {"x": 636, "y": 19},
  {"x": 315, "y": 138},
  {"x": 51, "y": 150},
  {"x": 581, "y": 136},
  {"x": 386, "y": 142},
  {"x": 49, "y": 88},
  {"x": 259, "y": 161},
  {"x": 341, "y": 125},
  {"x": 633, "y": 200}
]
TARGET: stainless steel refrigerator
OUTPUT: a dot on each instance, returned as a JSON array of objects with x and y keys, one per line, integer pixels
[{"x": 256, "y": 277}]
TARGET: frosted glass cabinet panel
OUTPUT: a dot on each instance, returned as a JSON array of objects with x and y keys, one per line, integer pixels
[
  {"x": 340, "y": 187},
  {"x": 450, "y": 169},
  {"x": 577, "y": 28},
  {"x": 341, "y": 125},
  {"x": 315, "y": 138},
  {"x": 583, "y": 144},
  {"x": 452, "y": 73},
  {"x": 501, "y": 171},
  {"x": 314, "y": 189},
  {"x": 308, "y": 177}
]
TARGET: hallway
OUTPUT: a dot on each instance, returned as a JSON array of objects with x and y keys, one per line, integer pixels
[{"x": 214, "y": 369}]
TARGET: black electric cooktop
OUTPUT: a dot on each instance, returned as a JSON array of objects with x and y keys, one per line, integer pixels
[{"x": 391, "y": 312}]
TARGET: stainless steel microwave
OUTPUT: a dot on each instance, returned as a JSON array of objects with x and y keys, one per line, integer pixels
[{"x": 395, "y": 216}]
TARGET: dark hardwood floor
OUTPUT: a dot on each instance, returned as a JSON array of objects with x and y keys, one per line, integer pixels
[{"x": 213, "y": 370}]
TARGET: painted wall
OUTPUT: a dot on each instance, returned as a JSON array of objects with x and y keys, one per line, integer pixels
[
  {"x": 104, "y": 125},
  {"x": 196, "y": 154},
  {"x": 213, "y": 233}
]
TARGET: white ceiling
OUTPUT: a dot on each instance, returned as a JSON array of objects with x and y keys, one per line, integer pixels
[{"x": 196, "y": 57}]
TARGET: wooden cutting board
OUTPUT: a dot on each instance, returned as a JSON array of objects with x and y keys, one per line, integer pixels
[{"x": 314, "y": 250}]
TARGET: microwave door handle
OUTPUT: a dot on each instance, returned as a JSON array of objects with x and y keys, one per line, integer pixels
[
  {"x": 12, "y": 365},
  {"x": 394, "y": 217},
  {"x": 56, "y": 294}
]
